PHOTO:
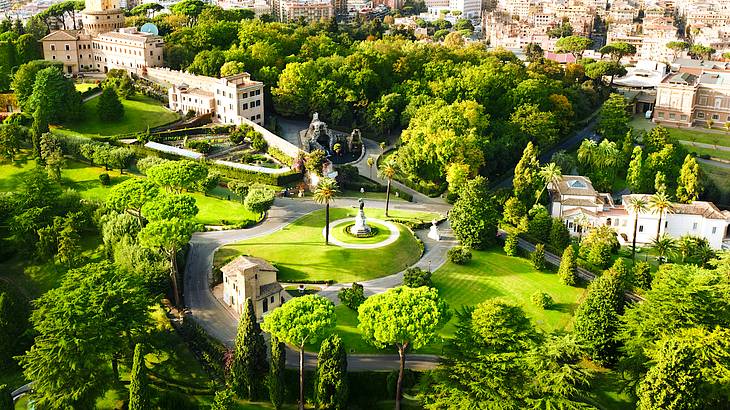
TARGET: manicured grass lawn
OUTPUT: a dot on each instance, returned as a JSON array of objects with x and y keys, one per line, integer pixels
[
  {"x": 694, "y": 134},
  {"x": 84, "y": 179},
  {"x": 81, "y": 87},
  {"x": 139, "y": 113},
  {"x": 299, "y": 251}
]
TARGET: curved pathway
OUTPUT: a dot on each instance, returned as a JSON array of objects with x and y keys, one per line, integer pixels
[
  {"x": 220, "y": 322},
  {"x": 394, "y": 234}
]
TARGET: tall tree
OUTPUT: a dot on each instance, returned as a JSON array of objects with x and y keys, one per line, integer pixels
[
  {"x": 39, "y": 127},
  {"x": 403, "y": 317},
  {"x": 139, "y": 397},
  {"x": 55, "y": 95},
  {"x": 613, "y": 120},
  {"x": 527, "y": 174},
  {"x": 52, "y": 155},
  {"x": 568, "y": 267},
  {"x": 306, "y": 319},
  {"x": 473, "y": 217},
  {"x": 131, "y": 195},
  {"x": 276, "y": 380},
  {"x": 548, "y": 173},
  {"x": 575, "y": 45},
  {"x": 325, "y": 193},
  {"x": 13, "y": 327},
  {"x": 388, "y": 171},
  {"x": 11, "y": 137},
  {"x": 636, "y": 205},
  {"x": 689, "y": 184},
  {"x": 163, "y": 207},
  {"x": 597, "y": 318},
  {"x": 331, "y": 387},
  {"x": 92, "y": 318},
  {"x": 660, "y": 204},
  {"x": 109, "y": 107},
  {"x": 169, "y": 236},
  {"x": 249, "y": 367},
  {"x": 635, "y": 174}
]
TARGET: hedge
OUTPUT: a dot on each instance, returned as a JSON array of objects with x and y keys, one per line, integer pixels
[
  {"x": 280, "y": 156},
  {"x": 257, "y": 177},
  {"x": 172, "y": 135},
  {"x": 208, "y": 350},
  {"x": 91, "y": 91}
]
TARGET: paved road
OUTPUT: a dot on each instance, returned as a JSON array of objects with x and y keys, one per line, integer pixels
[
  {"x": 220, "y": 323},
  {"x": 710, "y": 162}
]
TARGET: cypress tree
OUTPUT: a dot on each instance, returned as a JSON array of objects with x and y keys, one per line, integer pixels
[
  {"x": 39, "y": 127},
  {"x": 249, "y": 367},
  {"x": 109, "y": 106},
  {"x": 597, "y": 318},
  {"x": 510, "y": 245},
  {"x": 689, "y": 184},
  {"x": 568, "y": 267},
  {"x": 276, "y": 382},
  {"x": 6, "y": 400},
  {"x": 332, "y": 386},
  {"x": 527, "y": 179},
  {"x": 139, "y": 398},
  {"x": 538, "y": 257}
]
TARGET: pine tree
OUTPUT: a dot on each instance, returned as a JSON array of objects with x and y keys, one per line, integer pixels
[
  {"x": 139, "y": 398},
  {"x": 635, "y": 173},
  {"x": 510, "y": 245},
  {"x": 689, "y": 184},
  {"x": 332, "y": 389},
  {"x": 249, "y": 367},
  {"x": 527, "y": 174},
  {"x": 568, "y": 267},
  {"x": 6, "y": 400},
  {"x": 538, "y": 257},
  {"x": 276, "y": 381},
  {"x": 597, "y": 318},
  {"x": 110, "y": 108}
]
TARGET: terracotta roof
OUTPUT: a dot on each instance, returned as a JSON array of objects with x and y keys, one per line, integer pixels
[
  {"x": 242, "y": 263},
  {"x": 580, "y": 202},
  {"x": 576, "y": 211},
  {"x": 706, "y": 209},
  {"x": 60, "y": 35},
  {"x": 574, "y": 185}
]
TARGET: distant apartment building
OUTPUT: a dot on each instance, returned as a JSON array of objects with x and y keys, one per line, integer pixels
[
  {"x": 308, "y": 10},
  {"x": 694, "y": 97},
  {"x": 259, "y": 7},
  {"x": 103, "y": 43},
  {"x": 226, "y": 99}
]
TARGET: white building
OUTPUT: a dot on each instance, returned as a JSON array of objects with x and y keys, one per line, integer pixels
[
  {"x": 227, "y": 99},
  {"x": 575, "y": 201},
  {"x": 249, "y": 277}
]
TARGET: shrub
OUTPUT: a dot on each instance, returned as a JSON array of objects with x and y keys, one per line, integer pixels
[
  {"x": 511, "y": 245},
  {"x": 460, "y": 255},
  {"x": 148, "y": 162},
  {"x": 598, "y": 245},
  {"x": 416, "y": 277},
  {"x": 568, "y": 267},
  {"x": 538, "y": 257},
  {"x": 352, "y": 297},
  {"x": 104, "y": 179},
  {"x": 514, "y": 210},
  {"x": 259, "y": 200},
  {"x": 559, "y": 235},
  {"x": 202, "y": 146},
  {"x": 642, "y": 275},
  {"x": 542, "y": 300},
  {"x": 539, "y": 225}
]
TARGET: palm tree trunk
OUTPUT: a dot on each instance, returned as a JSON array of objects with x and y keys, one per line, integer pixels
[
  {"x": 633, "y": 240},
  {"x": 327, "y": 224},
  {"x": 401, "y": 369},
  {"x": 659, "y": 226},
  {"x": 301, "y": 377},
  {"x": 387, "y": 198},
  {"x": 173, "y": 277}
]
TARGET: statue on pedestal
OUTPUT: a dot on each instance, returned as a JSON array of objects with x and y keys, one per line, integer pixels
[
  {"x": 434, "y": 233},
  {"x": 361, "y": 226}
]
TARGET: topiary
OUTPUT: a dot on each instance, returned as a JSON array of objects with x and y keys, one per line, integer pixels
[
  {"x": 259, "y": 200},
  {"x": 460, "y": 255},
  {"x": 542, "y": 300},
  {"x": 105, "y": 179},
  {"x": 352, "y": 297}
]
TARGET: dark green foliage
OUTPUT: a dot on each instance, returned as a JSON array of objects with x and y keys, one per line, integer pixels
[
  {"x": 331, "y": 386},
  {"x": 613, "y": 120},
  {"x": 259, "y": 200},
  {"x": 202, "y": 146},
  {"x": 139, "y": 396},
  {"x": 559, "y": 235},
  {"x": 538, "y": 257},
  {"x": 542, "y": 300},
  {"x": 642, "y": 275},
  {"x": 105, "y": 179},
  {"x": 598, "y": 246},
  {"x": 540, "y": 224},
  {"x": 568, "y": 267},
  {"x": 275, "y": 380},
  {"x": 416, "y": 277},
  {"x": 473, "y": 217},
  {"x": 352, "y": 297},
  {"x": 224, "y": 400},
  {"x": 459, "y": 255},
  {"x": 24, "y": 79},
  {"x": 511, "y": 245},
  {"x": 249, "y": 367},
  {"x": 119, "y": 80},
  {"x": 55, "y": 96},
  {"x": 14, "y": 313},
  {"x": 597, "y": 318},
  {"x": 109, "y": 107},
  {"x": 6, "y": 400}
]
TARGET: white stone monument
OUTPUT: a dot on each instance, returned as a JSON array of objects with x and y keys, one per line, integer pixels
[
  {"x": 361, "y": 226},
  {"x": 433, "y": 233}
]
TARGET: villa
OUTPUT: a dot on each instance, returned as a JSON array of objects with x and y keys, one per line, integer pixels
[
  {"x": 574, "y": 200},
  {"x": 249, "y": 277}
]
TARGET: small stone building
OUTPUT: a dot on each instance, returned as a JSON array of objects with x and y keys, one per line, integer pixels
[{"x": 255, "y": 278}]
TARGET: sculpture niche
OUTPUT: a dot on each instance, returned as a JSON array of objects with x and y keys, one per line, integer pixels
[{"x": 335, "y": 143}]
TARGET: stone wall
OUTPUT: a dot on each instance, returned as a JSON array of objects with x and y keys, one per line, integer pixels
[{"x": 272, "y": 139}]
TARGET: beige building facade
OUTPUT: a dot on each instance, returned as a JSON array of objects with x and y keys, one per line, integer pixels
[
  {"x": 254, "y": 278},
  {"x": 103, "y": 43},
  {"x": 686, "y": 99}
]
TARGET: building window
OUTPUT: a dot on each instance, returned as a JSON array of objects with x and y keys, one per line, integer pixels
[
  {"x": 694, "y": 226},
  {"x": 700, "y": 115},
  {"x": 703, "y": 100},
  {"x": 661, "y": 115},
  {"x": 641, "y": 228},
  {"x": 53, "y": 47},
  {"x": 715, "y": 117},
  {"x": 672, "y": 116},
  {"x": 272, "y": 298},
  {"x": 714, "y": 230},
  {"x": 683, "y": 117},
  {"x": 718, "y": 102}
]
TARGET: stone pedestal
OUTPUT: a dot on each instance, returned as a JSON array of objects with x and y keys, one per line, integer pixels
[
  {"x": 361, "y": 226},
  {"x": 433, "y": 233}
]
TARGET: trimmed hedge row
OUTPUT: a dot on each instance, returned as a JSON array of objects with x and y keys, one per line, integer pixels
[
  {"x": 257, "y": 177},
  {"x": 280, "y": 156}
]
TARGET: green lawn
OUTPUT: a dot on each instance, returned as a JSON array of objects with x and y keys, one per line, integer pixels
[
  {"x": 84, "y": 179},
  {"x": 299, "y": 251},
  {"x": 81, "y": 87},
  {"x": 695, "y": 134},
  {"x": 140, "y": 112},
  {"x": 714, "y": 153}
]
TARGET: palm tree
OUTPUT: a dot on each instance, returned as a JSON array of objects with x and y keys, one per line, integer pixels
[
  {"x": 388, "y": 171},
  {"x": 665, "y": 247},
  {"x": 548, "y": 173},
  {"x": 686, "y": 245},
  {"x": 637, "y": 205},
  {"x": 324, "y": 194},
  {"x": 660, "y": 203}
]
